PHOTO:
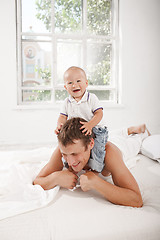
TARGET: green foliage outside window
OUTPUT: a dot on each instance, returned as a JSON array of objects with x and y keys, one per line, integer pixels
[
  {"x": 68, "y": 18},
  {"x": 44, "y": 74},
  {"x": 68, "y": 15}
]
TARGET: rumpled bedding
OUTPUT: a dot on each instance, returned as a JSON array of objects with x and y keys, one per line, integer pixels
[{"x": 18, "y": 169}]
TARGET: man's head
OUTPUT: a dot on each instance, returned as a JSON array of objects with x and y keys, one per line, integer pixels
[
  {"x": 74, "y": 145},
  {"x": 71, "y": 131},
  {"x": 75, "y": 82}
]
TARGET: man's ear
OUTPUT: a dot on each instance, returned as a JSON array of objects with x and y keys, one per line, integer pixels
[{"x": 91, "y": 143}]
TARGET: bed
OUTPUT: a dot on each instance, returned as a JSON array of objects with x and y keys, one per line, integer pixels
[{"x": 60, "y": 214}]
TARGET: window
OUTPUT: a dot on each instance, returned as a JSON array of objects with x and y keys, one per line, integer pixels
[{"x": 53, "y": 35}]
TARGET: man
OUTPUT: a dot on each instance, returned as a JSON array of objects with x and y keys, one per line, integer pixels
[{"x": 75, "y": 148}]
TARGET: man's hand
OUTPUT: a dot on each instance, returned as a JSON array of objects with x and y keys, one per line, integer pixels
[
  {"x": 87, "y": 181},
  {"x": 87, "y": 128},
  {"x": 66, "y": 179}
]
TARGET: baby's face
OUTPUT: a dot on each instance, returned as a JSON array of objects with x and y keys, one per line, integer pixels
[{"x": 75, "y": 83}]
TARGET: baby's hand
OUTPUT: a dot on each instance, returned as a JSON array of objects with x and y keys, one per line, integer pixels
[
  {"x": 87, "y": 129},
  {"x": 58, "y": 128}
]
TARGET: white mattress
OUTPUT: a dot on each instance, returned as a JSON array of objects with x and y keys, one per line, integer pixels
[{"x": 81, "y": 215}]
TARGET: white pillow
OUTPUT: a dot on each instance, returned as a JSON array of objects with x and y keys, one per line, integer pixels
[{"x": 151, "y": 147}]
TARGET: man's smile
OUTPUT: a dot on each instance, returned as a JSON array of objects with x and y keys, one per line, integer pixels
[{"x": 75, "y": 165}]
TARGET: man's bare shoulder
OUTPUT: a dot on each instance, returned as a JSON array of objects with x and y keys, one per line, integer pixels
[{"x": 114, "y": 159}]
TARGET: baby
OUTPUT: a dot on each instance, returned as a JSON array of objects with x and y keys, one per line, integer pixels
[{"x": 81, "y": 103}]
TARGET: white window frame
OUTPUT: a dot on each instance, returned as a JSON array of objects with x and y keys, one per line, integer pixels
[{"x": 113, "y": 39}]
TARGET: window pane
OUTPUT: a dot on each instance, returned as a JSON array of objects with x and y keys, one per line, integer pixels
[
  {"x": 69, "y": 53},
  {"x": 36, "y": 57},
  {"x": 36, "y": 16},
  {"x": 101, "y": 94},
  {"x": 104, "y": 94},
  {"x": 99, "y": 63},
  {"x": 68, "y": 16},
  {"x": 99, "y": 17},
  {"x": 60, "y": 95},
  {"x": 36, "y": 95}
]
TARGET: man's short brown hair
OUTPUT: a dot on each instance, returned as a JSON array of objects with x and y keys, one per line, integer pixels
[{"x": 71, "y": 131}]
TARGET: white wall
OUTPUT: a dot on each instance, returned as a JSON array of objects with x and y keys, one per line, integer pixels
[{"x": 139, "y": 73}]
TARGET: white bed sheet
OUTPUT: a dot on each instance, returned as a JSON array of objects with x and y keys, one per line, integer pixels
[
  {"x": 18, "y": 169},
  {"x": 86, "y": 215}
]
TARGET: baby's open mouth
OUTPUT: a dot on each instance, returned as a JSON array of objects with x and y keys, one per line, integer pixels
[{"x": 76, "y": 90}]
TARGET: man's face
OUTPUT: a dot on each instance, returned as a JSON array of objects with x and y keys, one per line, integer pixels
[{"x": 76, "y": 155}]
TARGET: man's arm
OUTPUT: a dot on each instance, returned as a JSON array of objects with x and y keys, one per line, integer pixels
[
  {"x": 125, "y": 191},
  {"x": 52, "y": 174}
]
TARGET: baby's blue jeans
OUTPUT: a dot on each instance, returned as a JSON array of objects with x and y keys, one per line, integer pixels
[{"x": 96, "y": 161}]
